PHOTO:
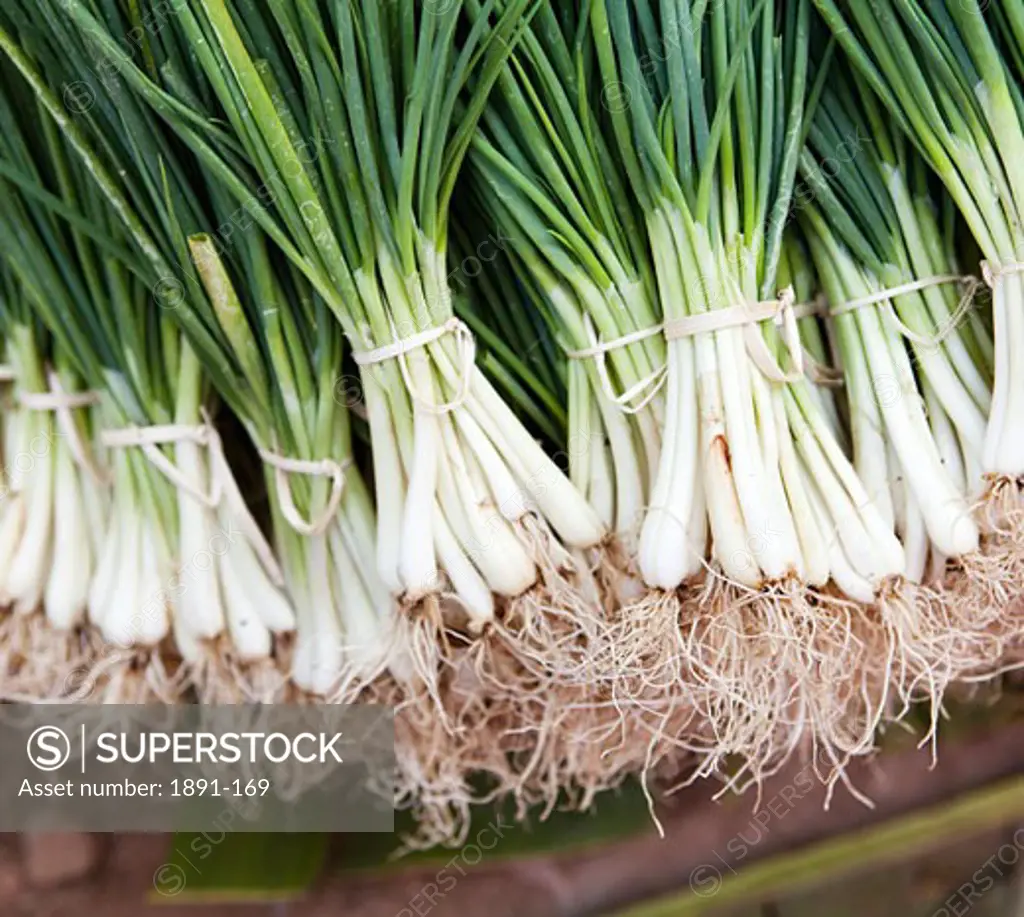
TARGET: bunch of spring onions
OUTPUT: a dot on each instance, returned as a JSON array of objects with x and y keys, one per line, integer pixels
[
  {"x": 710, "y": 139},
  {"x": 546, "y": 169},
  {"x": 366, "y": 220},
  {"x": 180, "y": 559},
  {"x": 917, "y": 368},
  {"x": 325, "y": 522},
  {"x": 53, "y": 504},
  {"x": 948, "y": 75},
  {"x": 547, "y": 178},
  {"x": 130, "y": 562},
  {"x": 586, "y": 741}
]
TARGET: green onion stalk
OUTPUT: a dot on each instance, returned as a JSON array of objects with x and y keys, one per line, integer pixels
[
  {"x": 182, "y": 571},
  {"x": 796, "y": 270},
  {"x": 469, "y": 506},
  {"x": 918, "y": 376},
  {"x": 711, "y": 138},
  {"x": 946, "y": 74}
]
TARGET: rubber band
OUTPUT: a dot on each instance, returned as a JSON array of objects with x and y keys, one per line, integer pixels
[
  {"x": 327, "y": 468},
  {"x": 397, "y": 350},
  {"x": 748, "y": 316},
  {"x": 224, "y": 488},
  {"x": 884, "y": 299},
  {"x": 62, "y": 403},
  {"x": 7, "y": 373}
]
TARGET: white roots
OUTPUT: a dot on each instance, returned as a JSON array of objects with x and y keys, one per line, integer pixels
[{"x": 574, "y": 685}]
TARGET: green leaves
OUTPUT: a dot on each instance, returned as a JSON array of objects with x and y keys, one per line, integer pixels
[
  {"x": 218, "y": 866},
  {"x": 713, "y": 114},
  {"x": 940, "y": 73},
  {"x": 134, "y": 186}
]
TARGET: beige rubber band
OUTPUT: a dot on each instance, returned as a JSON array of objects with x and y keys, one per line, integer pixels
[
  {"x": 62, "y": 403},
  {"x": 224, "y": 486},
  {"x": 327, "y": 468},
  {"x": 397, "y": 350},
  {"x": 884, "y": 299},
  {"x": 7, "y": 373},
  {"x": 748, "y": 316}
]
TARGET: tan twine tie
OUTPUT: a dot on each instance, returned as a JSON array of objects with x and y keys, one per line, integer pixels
[
  {"x": 62, "y": 404},
  {"x": 884, "y": 298},
  {"x": 598, "y": 351},
  {"x": 784, "y": 314},
  {"x": 992, "y": 272},
  {"x": 747, "y": 316},
  {"x": 399, "y": 349},
  {"x": 223, "y": 485},
  {"x": 284, "y": 467}
]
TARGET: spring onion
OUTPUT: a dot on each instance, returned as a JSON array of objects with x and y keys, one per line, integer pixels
[
  {"x": 915, "y": 368},
  {"x": 946, "y": 74}
]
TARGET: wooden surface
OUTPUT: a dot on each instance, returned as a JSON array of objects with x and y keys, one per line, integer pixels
[{"x": 699, "y": 833}]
